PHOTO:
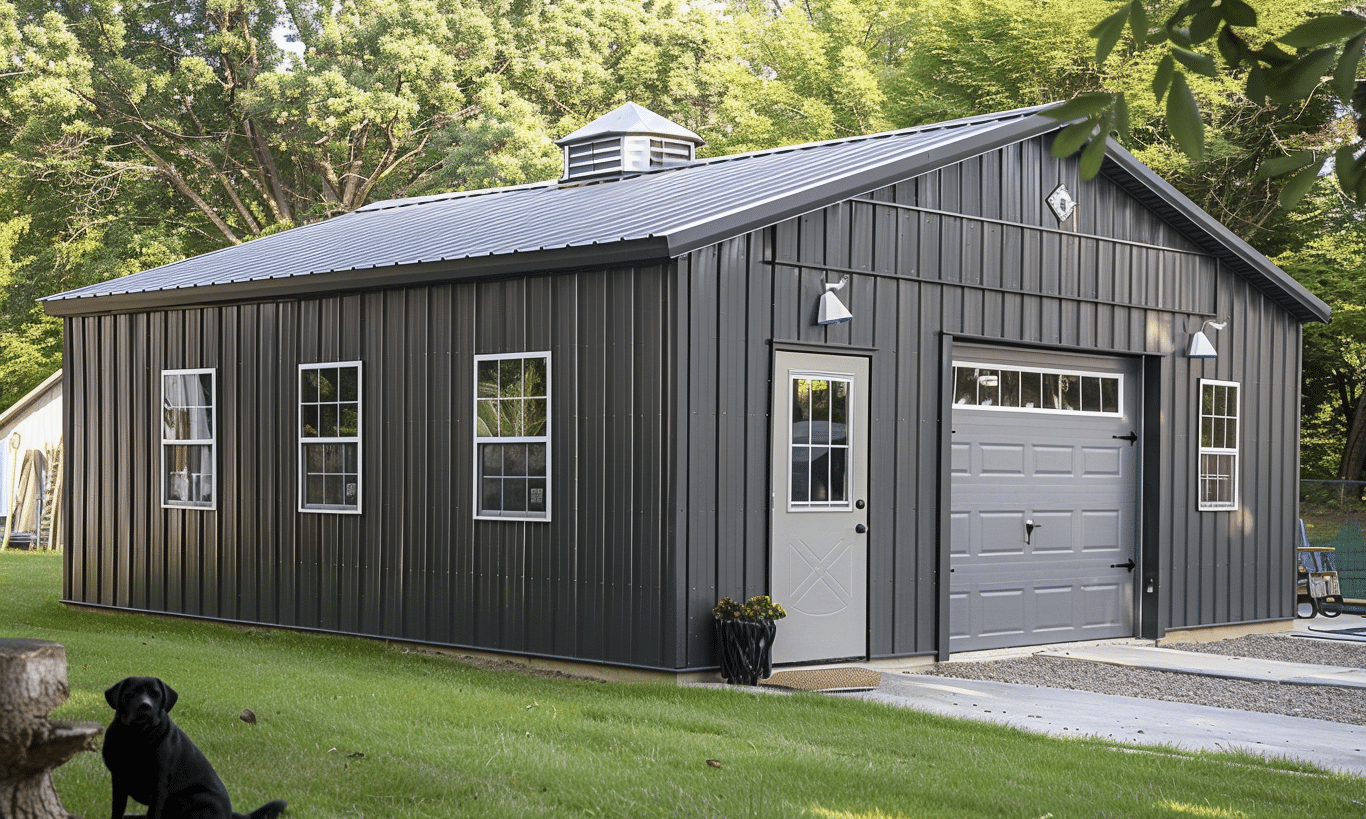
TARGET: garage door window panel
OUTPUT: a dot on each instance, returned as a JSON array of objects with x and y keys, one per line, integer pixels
[{"x": 992, "y": 387}]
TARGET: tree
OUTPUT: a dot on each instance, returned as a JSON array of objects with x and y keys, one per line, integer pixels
[{"x": 1285, "y": 70}]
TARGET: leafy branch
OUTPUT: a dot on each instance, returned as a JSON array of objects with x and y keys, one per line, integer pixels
[{"x": 1323, "y": 51}]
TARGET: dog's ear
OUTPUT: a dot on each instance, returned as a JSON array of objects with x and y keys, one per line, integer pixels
[
  {"x": 168, "y": 696},
  {"x": 111, "y": 694}
]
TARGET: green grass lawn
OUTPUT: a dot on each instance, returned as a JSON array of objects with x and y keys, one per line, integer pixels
[{"x": 359, "y": 728}]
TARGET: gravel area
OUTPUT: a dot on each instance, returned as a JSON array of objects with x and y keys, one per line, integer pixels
[{"x": 1318, "y": 702}]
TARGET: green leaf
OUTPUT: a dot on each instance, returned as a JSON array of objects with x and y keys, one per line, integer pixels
[
  {"x": 1183, "y": 119},
  {"x": 1273, "y": 55},
  {"x": 1282, "y": 165},
  {"x": 1199, "y": 63},
  {"x": 1162, "y": 79},
  {"x": 1121, "y": 116},
  {"x": 1345, "y": 76},
  {"x": 1107, "y": 33},
  {"x": 1093, "y": 155},
  {"x": 1298, "y": 186},
  {"x": 1256, "y": 85},
  {"x": 1298, "y": 80},
  {"x": 1087, "y": 104},
  {"x": 1238, "y": 13},
  {"x": 1206, "y": 23},
  {"x": 1232, "y": 47},
  {"x": 1319, "y": 30},
  {"x": 1138, "y": 23},
  {"x": 1070, "y": 139}
]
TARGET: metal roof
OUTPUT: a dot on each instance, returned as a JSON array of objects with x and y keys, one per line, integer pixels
[{"x": 632, "y": 219}]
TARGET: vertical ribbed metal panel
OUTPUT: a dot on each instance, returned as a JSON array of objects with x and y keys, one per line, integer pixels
[
  {"x": 660, "y": 418},
  {"x": 1114, "y": 279},
  {"x": 595, "y": 583}
]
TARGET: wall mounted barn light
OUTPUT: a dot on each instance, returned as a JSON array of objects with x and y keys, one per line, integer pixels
[
  {"x": 1200, "y": 343},
  {"x": 831, "y": 309}
]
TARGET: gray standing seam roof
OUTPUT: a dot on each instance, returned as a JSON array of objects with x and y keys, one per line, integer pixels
[{"x": 638, "y": 218}]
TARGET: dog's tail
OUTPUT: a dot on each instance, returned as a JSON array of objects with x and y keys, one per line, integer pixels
[{"x": 270, "y": 810}]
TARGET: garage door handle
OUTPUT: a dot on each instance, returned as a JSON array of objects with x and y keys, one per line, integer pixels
[
  {"x": 1132, "y": 437},
  {"x": 1130, "y": 565}
]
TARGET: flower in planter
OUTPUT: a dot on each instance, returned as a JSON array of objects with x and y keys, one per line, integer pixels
[
  {"x": 745, "y": 634},
  {"x": 754, "y": 610}
]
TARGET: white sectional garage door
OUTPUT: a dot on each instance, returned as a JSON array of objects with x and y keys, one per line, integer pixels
[{"x": 1045, "y": 470}]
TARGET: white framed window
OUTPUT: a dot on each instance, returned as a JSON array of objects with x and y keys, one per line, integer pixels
[
  {"x": 189, "y": 435},
  {"x": 512, "y": 436},
  {"x": 1024, "y": 389},
  {"x": 1218, "y": 483},
  {"x": 330, "y": 437},
  {"x": 819, "y": 469}
]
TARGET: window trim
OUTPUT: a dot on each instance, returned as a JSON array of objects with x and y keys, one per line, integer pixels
[
  {"x": 211, "y": 442},
  {"x": 846, "y": 505},
  {"x": 546, "y": 439},
  {"x": 358, "y": 440},
  {"x": 1234, "y": 453}
]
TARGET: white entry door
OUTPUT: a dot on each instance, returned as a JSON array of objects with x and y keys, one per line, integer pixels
[{"x": 819, "y": 554}]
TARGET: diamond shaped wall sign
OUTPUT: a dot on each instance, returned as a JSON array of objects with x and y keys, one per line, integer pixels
[{"x": 1062, "y": 203}]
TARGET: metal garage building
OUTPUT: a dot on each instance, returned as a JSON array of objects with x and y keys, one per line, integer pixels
[{"x": 560, "y": 420}]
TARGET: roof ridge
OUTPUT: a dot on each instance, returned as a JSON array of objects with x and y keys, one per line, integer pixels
[{"x": 961, "y": 122}]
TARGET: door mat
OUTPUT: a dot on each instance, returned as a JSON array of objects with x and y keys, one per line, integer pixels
[{"x": 825, "y": 679}]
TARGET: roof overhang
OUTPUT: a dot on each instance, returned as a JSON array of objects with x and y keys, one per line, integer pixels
[{"x": 640, "y": 253}]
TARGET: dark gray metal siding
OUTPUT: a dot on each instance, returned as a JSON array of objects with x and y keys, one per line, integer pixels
[
  {"x": 972, "y": 252},
  {"x": 661, "y": 403},
  {"x": 594, "y": 583}
]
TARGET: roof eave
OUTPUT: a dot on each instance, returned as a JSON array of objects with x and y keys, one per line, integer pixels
[
  {"x": 1127, "y": 171},
  {"x": 646, "y": 251}
]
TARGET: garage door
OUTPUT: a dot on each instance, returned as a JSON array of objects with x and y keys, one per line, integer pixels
[{"x": 1044, "y": 492}]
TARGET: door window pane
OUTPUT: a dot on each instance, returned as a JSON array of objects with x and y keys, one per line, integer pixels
[{"x": 819, "y": 450}]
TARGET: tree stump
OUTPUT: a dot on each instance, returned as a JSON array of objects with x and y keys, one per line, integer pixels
[{"x": 32, "y": 683}]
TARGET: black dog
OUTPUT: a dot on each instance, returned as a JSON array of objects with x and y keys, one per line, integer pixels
[{"x": 155, "y": 762}]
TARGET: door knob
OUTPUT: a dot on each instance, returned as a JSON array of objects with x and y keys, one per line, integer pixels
[{"x": 860, "y": 528}]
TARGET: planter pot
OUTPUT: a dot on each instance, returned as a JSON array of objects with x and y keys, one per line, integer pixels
[{"x": 745, "y": 649}]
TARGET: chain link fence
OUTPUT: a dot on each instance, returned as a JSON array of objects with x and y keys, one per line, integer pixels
[{"x": 1334, "y": 514}]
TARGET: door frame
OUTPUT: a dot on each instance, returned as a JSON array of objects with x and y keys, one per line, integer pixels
[
  {"x": 1146, "y": 370},
  {"x": 840, "y": 362}
]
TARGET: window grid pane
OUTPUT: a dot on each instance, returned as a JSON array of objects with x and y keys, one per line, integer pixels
[
  {"x": 187, "y": 438},
  {"x": 512, "y": 425},
  {"x": 1218, "y": 457},
  {"x": 329, "y": 437}
]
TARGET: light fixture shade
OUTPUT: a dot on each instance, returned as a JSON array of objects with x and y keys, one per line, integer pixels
[
  {"x": 1201, "y": 347},
  {"x": 832, "y": 310}
]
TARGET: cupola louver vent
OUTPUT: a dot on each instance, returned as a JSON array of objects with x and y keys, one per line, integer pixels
[{"x": 630, "y": 139}]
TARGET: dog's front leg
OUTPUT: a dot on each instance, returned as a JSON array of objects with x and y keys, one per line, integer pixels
[{"x": 120, "y": 801}]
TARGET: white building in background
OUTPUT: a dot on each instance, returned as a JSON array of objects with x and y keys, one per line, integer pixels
[{"x": 34, "y": 423}]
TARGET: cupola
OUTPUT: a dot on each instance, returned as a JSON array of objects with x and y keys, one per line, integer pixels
[{"x": 630, "y": 139}]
